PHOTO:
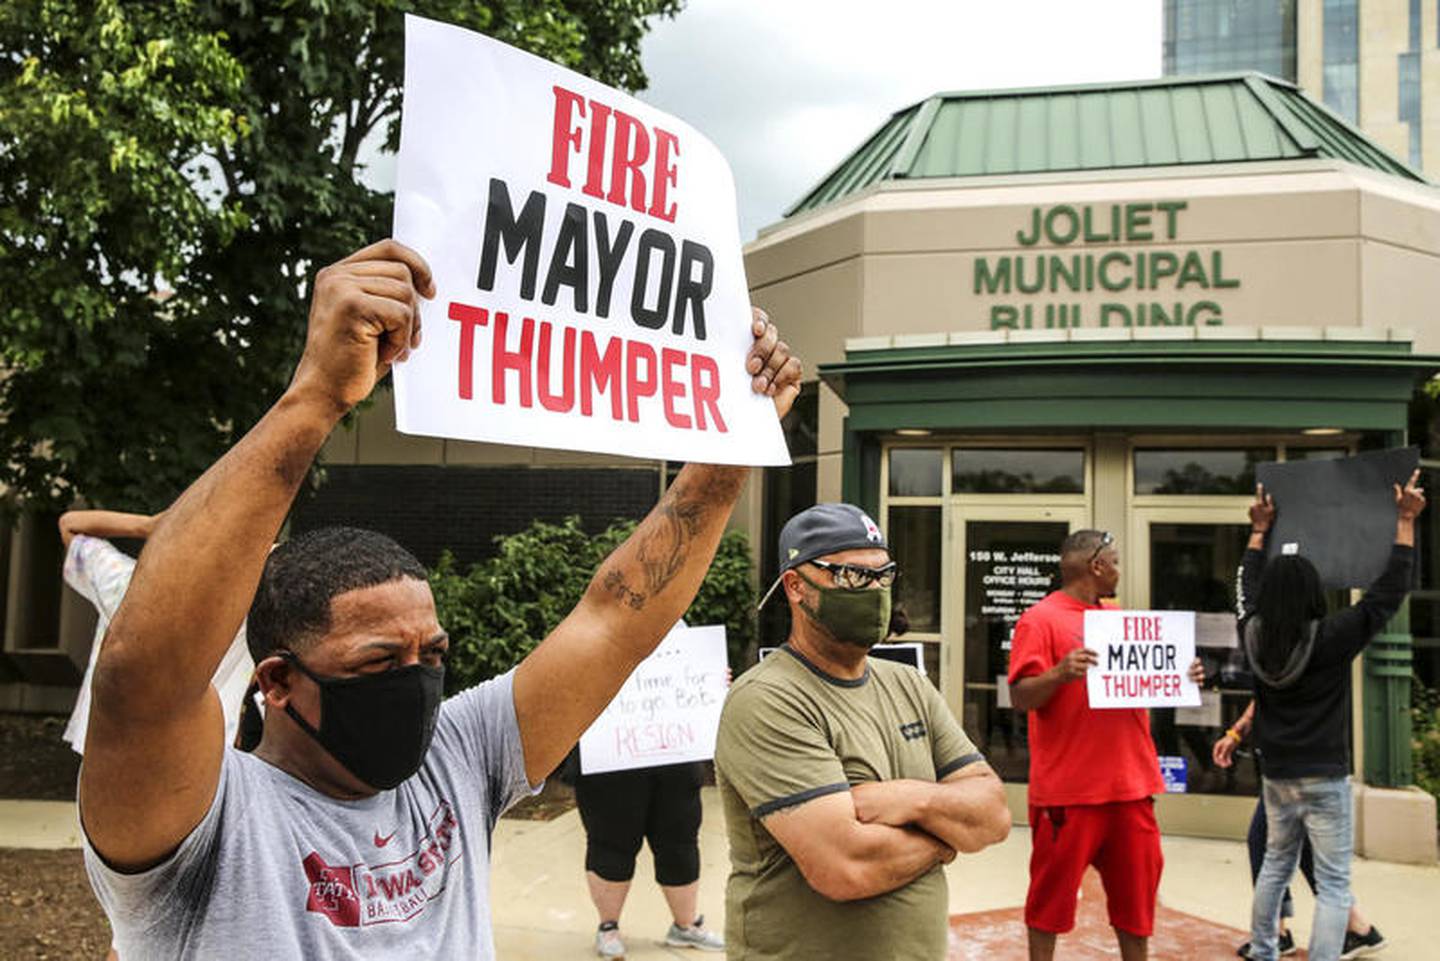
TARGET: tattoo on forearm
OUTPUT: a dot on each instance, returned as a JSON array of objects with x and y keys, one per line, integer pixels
[{"x": 665, "y": 538}]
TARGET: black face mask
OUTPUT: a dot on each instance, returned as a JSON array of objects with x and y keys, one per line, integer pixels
[{"x": 378, "y": 726}]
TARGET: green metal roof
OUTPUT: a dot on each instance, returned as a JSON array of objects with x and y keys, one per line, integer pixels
[{"x": 1227, "y": 118}]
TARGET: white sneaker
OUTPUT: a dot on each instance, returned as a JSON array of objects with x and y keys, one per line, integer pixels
[
  {"x": 607, "y": 941},
  {"x": 695, "y": 936}
]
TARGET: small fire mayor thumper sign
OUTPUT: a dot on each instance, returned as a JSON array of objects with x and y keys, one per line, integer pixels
[
  {"x": 590, "y": 289},
  {"x": 668, "y": 710},
  {"x": 1144, "y": 658}
]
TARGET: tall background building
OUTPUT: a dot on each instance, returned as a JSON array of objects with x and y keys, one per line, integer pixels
[{"x": 1376, "y": 63}]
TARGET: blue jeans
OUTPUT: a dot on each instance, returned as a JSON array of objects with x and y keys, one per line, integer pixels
[
  {"x": 1322, "y": 809},
  {"x": 1255, "y": 846}
]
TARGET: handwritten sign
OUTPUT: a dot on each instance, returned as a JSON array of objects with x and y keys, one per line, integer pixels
[
  {"x": 1144, "y": 658},
  {"x": 586, "y": 250},
  {"x": 668, "y": 710}
]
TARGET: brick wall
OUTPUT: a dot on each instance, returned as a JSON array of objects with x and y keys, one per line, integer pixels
[{"x": 429, "y": 508}]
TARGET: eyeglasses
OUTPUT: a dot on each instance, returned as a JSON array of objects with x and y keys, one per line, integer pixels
[
  {"x": 1106, "y": 539},
  {"x": 853, "y": 578}
]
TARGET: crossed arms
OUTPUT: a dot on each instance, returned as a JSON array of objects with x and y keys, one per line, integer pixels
[{"x": 881, "y": 835}]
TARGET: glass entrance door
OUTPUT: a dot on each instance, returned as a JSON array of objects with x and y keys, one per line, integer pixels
[
  {"x": 1187, "y": 560},
  {"x": 1010, "y": 561}
]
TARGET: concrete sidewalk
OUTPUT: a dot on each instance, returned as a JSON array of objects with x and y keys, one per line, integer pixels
[{"x": 543, "y": 913}]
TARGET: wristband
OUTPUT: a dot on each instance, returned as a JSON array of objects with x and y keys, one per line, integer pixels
[{"x": 1234, "y": 735}]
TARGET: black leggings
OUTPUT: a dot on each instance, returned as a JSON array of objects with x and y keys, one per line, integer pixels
[
  {"x": 1255, "y": 841},
  {"x": 658, "y": 804}
]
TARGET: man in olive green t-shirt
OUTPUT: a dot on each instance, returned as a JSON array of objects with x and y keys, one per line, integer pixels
[{"x": 846, "y": 781}]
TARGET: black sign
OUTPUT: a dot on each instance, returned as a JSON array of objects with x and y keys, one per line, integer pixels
[{"x": 1339, "y": 514}]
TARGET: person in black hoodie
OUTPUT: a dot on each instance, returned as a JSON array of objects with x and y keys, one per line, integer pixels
[{"x": 1300, "y": 659}]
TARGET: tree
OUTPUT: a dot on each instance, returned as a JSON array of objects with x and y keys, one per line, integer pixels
[
  {"x": 170, "y": 176},
  {"x": 498, "y": 610}
]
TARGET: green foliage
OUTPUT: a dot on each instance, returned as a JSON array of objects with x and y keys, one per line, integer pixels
[
  {"x": 498, "y": 610},
  {"x": 171, "y": 174},
  {"x": 1425, "y": 715}
]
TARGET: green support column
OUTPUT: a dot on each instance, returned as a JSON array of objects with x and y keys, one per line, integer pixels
[
  {"x": 1388, "y": 760},
  {"x": 849, "y": 464},
  {"x": 1386, "y": 712},
  {"x": 860, "y": 471}
]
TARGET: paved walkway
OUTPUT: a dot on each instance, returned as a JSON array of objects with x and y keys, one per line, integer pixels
[{"x": 542, "y": 911}]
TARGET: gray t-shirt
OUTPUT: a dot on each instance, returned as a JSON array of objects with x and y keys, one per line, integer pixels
[{"x": 277, "y": 870}]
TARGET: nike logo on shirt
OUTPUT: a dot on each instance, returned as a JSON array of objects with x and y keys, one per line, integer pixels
[{"x": 381, "y": 842}]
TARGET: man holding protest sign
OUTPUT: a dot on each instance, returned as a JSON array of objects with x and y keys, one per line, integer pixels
[
  {"x": 1092, "y": 771},
  {"x": 846, "y": 781},
  {"x": 360, "y": 826}
]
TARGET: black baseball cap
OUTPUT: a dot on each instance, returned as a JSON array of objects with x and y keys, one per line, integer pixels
[{"x": 824, "y": 529}]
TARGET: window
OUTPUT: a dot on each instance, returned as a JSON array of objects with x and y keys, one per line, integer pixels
[
  {"x": 1193, "y": 568},
  {"x": 802, "y": 424},
  {"x": 914, "y": 536},
  {"x": 1203, "y": 36},
  {"x": 788, "y": 491},
  {"x": 980, "y": 470},
  {"x": 1198, "y": 471},
  {"x": 916, "y": 471},
  {"x": 1341, "y": 57},
  {"x": 1409, "y": 109},
  {"x": 1316, "y": 453}
]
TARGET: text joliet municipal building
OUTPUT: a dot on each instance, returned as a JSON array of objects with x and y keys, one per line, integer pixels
[{"x": 1029, "y": 311}]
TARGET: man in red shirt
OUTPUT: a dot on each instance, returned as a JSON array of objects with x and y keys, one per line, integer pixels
[{"x": 1092, "y": 773}]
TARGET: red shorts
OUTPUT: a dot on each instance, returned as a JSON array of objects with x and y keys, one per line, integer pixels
[{"x": 1121, "y": 839}]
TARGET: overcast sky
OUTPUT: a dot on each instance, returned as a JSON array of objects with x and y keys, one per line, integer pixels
[{"x": 787, "y": 88}]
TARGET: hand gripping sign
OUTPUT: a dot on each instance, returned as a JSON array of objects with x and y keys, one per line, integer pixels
[
  {"x": 1143, "y": 658},
  {"x": 590, "y": 289}
]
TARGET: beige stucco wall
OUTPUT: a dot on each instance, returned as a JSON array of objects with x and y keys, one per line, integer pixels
[{"x": 1312, "y": 243}]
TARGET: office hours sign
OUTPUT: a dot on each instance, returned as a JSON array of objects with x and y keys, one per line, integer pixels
[
  {"x": 586, "y": 251},
  {"x": 1144, "y": 659}
]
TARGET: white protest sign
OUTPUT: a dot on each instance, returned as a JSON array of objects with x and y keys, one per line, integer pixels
[
  {"x": 667, "y": 711},
  {"x": 1144, "y": 658},
  {"x": 590, "y": 293}
]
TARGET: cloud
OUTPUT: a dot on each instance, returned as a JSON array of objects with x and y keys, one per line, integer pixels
[{"x": 787, "y": 88}]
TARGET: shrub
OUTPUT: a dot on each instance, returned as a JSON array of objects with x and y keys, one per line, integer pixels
[
  {"x": 1425, "y": 715},
  {"x": 498, "y": 610}
]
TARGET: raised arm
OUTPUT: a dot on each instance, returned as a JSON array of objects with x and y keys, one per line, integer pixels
[
  {"x": 966, "y": 809},
  {"x": 154, "y": 743},
  {"x": 640, "y": 590},
  {"x": 107, "y": 524},
  {"x": 845, "y": 859},
  {"x": 1262, "y": 518}
]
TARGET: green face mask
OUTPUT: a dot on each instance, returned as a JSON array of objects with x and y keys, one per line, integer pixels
[{"x": 856, "y": 617}]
